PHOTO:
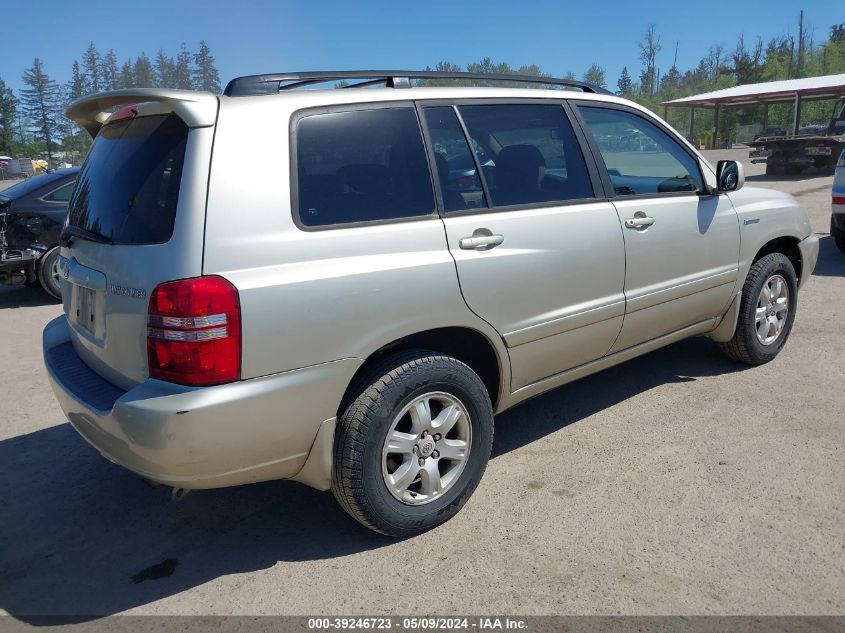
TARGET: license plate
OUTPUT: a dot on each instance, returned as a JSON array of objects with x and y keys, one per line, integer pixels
[
  {"x": 85, "y": 304},
  {"x": 818, "y": 151}
]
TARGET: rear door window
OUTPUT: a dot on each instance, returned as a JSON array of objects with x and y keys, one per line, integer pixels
[
  {"x": 460, "y": 185},
  {"x": 361, "y": 166},
  {"x": 128, "y": 188},
  {"x": 529, "y": 153}
]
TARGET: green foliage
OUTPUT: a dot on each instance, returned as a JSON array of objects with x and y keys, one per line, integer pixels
[
  {"x": 595, "y": 75},
  {"x": 182, "y": 70},
  {"x": 624, "y": 84},
  {"x": 205, "y": 75},
  {"x": 142, "y": 73},
  {"x": 111, "y": 72},
  {"x": 164, "y": 69},
  {"x": 8, "y": 114},
  {"x": 41, "y": 103},
  {"x": 93, "y": 73}
]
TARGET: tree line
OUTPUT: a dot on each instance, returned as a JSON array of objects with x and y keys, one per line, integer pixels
[
  {"x": 32, "y": 123},
  {"x": 787, "y": 56}
]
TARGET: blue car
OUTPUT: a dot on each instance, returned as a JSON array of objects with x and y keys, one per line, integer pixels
[
  {"x": 32, "y": 214},
  {"x": 837, "y": 218}
]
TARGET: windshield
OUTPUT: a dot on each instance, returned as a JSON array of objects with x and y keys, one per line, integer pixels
[{"x": 129, "y": 185}]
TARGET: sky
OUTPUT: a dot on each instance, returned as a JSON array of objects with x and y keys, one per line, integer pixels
[{"x": 262, "y": 36}]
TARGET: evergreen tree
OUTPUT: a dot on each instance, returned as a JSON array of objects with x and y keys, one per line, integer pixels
[
  {"x": 111, "y": 73},
  {"x": 41, "y": 102},
  {"x": 76, "y": 87},
  {"x": 143, "y": 74},
  {"x": 595, "y": 75},
  {"x": 126, "y": 78},
  {"x": 8, "y": 114},
  {"x": 624, "y": 83},
  {"x": 182, "y": 70},
  {"x": 205, "y": 72},
  {"x": 75, "y": 139},
  {"x": 93, "y": 73},
  {"x": 164, "y": 71}
]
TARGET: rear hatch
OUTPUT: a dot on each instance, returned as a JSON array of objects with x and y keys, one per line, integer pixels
[{"x": 135, "y": 219}]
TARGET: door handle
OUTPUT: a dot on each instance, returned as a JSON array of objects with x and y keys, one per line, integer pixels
[
  {"x": 481, "y": 242},
  {"x": 639, "y": 221}
]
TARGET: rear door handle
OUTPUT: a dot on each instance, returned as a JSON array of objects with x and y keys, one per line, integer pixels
[
  {"x": 480, "y": 242},
  {"x": 639, "y": 221}
]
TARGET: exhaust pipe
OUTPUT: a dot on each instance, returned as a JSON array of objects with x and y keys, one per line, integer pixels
[{"x": 177, "y": 494}]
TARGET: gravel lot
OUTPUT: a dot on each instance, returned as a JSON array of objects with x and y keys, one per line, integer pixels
[{"x": 678, "y": 483}]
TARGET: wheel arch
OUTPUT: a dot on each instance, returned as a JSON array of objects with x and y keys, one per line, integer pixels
[
  {"x": 468, "y": 345},
  {"x": 786, "y": 245}
]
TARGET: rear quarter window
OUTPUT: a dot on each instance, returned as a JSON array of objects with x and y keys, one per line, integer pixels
[
  {"x": 128, "y": 188},
  {"x": 62, "y": 194},
  {"x": 361, "y": 166}
]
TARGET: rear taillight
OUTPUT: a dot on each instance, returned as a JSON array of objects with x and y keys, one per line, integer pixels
[
  {"x": 194, "y": 332},
  {"x": 838, "y": 199},
  {"x": 129, "y": 112},
  {"x": 464, "y": 181}
]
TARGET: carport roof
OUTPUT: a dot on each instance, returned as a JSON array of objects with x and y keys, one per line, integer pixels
[{"x": 825, "y": 87}]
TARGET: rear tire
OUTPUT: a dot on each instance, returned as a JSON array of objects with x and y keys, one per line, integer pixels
[
  {"x": 419, "y": 477},
  {"x": 763, "y": 326},
  {"x": 48, "y": 272}
]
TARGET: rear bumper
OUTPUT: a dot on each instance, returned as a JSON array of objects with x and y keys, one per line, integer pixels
[
  {"x": 809, "y": 248},
  {"x": 837, "y": 218},
  {"x": 252, "y": 430}
]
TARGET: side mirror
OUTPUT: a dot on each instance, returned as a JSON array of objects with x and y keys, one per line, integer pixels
[{"x": 730, "y": 175}]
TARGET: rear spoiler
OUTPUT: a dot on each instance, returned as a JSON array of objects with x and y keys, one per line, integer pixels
[{"x": 196, "y": 109}]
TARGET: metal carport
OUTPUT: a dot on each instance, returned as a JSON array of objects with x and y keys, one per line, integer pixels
[{"x": 766, "y": 93}]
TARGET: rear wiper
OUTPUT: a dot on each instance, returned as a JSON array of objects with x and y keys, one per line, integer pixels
[{"x": 70, "y": 231}]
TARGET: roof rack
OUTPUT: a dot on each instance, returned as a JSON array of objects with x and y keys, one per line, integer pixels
[{"x": 275, "y": 83}]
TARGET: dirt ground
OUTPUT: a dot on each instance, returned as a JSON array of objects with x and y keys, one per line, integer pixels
[{"x": 678, "y": 483}]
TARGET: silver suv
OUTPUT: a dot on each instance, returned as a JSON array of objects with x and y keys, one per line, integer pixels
[{"x": 342, "y": 287}]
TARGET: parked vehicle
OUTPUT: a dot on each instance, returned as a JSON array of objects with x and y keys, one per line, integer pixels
[
  {"x": 837, "y": 216},
  {"x": 771, "y": 132},
  {"x": 814, "y": 146},
  {"x": 32, "y": 213},
  {"x": 340, "y": 314}
]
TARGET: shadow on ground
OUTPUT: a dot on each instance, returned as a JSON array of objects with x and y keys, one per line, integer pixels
[
  {"x": 808, "y": 174},
  {"x": 24, "y": 297},
  {"x": 831, "y": 261},
  {"x": 82, "y": 537}
]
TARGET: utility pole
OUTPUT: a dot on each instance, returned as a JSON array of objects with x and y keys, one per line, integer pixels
[{"x": 800, "y": 66}]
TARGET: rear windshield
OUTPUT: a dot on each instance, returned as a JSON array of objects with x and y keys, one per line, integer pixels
[{"x": 129, "y": 185}]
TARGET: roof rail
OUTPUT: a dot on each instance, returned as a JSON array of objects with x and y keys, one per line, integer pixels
[{"x": 274, "y": 83}]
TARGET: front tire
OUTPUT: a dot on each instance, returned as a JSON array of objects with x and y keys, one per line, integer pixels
[
  {"x": 47, "y": 271},
  {"x": 412, "y": 443},
  {"x": 766, "y": 312}
]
